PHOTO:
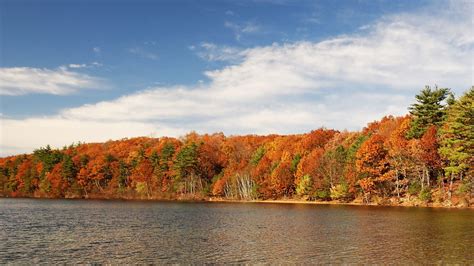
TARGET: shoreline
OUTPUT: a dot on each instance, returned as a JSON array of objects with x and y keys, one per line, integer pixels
[
  {"x": 258, "y": 201},
  {"x": 298, "y": 201}
]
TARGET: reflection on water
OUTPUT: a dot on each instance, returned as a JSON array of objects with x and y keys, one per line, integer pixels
[{"x": 86, "y": 231}]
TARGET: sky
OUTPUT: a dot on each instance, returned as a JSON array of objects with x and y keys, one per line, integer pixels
[{"x": 92, "y": 71}]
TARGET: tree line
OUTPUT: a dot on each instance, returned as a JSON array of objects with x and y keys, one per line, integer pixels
[{"x": 425, "y": 156}]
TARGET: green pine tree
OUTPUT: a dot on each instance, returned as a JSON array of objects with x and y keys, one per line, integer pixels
[
  {"x": 69, "y": 169},
  {"x": 186, "y": 160},
  {"x": 124, "y": 173},
  {"x": 428, "y": 110},
  {"x": 457, "y": 136},
  {"x": 166, "y": 155}
]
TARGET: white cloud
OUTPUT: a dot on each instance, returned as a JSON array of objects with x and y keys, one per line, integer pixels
[
  {"x": 16, "y": 137},
  {"x": 341, "y": 82},
  {"x": 143, "y": 53},
  {"x": 60, "y": 81}
]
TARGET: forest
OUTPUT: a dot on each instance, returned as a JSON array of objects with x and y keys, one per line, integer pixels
[{"x": 423, "y": 158}]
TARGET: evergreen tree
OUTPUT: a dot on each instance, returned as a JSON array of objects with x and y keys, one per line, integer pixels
[
  {"x": 258, "y": 155},
  {"x": 107, "y": 170},
  {"x": 68, "y": 169},
  {"x": 186, "y": 168},
  {"x": 48, "y": 157},
  {"x": 457, "y": 136},
  {"x": 166, "y": 155},
  {"x": 155, "y": 159},
  {"x": 124, "y": 173},
  {"x": 186, "y": 160},
  {"x": 429, "y": 110}
]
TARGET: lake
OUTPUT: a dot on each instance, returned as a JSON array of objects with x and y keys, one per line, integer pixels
[{"x": 94, "y": 231}]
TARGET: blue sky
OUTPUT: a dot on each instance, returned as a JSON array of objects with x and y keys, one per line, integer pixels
[{"x": 98, "y": 70}]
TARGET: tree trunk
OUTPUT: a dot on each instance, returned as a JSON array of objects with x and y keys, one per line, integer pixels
[
  {"x": 397, "y": 183},
  {"x": 451, "y": 186},
  {"x": 427, "y": 176},
  {"x": 422, "y": 179},
  {"x": 472, "y": 189},
  {"x": 148, "y": 189},
  {"x": 405, "y": 176},
  {"x": 97, "y": 184}
]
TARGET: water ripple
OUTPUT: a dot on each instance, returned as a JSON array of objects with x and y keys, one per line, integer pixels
[{"x": 77, "y": 231}]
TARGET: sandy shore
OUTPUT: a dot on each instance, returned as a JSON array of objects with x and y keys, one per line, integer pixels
[
  {"x": 299, "y": 201},
  {"x": 412, "y": 204}
]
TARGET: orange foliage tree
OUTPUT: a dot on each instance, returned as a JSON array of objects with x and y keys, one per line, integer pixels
[{"x": 373, "y": 165}]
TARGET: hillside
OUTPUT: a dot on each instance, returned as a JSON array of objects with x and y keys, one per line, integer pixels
[{"x": 425, "y": 157}]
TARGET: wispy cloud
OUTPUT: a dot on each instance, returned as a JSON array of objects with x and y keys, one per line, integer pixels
[
  {"x": 212, "y": 52},
  {"x": 97, "y": 50},
  {"x": 96, "y": 64},
  {"x": 143, "y": 53},
  {"x": 78, "y": 66},
  {"x": 341, "y": 82},
  {"x": 60, "y": 81},
  {"x": 312, "y": 18},
  {"x": 240, "y": 29}
]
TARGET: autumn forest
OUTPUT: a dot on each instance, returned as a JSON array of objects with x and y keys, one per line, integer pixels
[{"x": 423, "y": 158}]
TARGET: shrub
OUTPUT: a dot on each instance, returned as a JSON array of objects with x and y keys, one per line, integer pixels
[
  {"x": 141, "y": 188},
  {"x": 414, "y": 188},
  {"x": 340, "y": 192},
  {"x": 322, "y": 194},
  {"x": 464, "y": 187},
  {"x": 425, "y": 194}
]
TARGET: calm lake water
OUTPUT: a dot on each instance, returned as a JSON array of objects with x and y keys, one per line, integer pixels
[{"x": 89, "y": 231}]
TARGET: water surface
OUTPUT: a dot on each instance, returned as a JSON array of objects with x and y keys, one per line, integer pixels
[{"x": 91, "y": 231}]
